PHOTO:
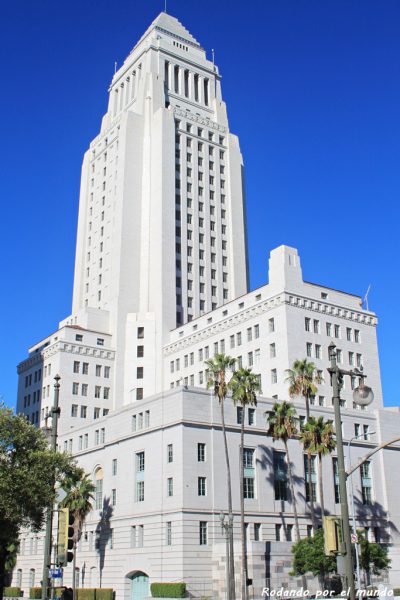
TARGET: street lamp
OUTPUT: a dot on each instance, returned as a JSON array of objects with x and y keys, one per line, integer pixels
[
  {"x": 362, "y": 395},
  {"x": 53, "y": 413},
  {"x": 353, "y": 515},
  {"x": 227, "y": 529}
]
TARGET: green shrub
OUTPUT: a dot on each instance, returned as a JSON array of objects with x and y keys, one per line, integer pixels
[
  {"x": 104, "y": 594},
  {"x": 35, "y": 593},
  {"x": 13, "y": 592},
  {"x": 168, "y": 590},
  {"x": 86, "y": 594},
  {"x": 396, "y": 591}
]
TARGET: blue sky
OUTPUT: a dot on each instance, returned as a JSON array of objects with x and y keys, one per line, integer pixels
[{"x": 313, "y": 91}]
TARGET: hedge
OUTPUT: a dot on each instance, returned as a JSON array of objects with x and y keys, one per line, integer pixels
[
  {"x": 104, "y": 594},
  {"x": 396, "y": 591},
  {"x": 13, "y": 592},
  {"x": 35, "y": 593},
  {"x": 168, "y": 590}
]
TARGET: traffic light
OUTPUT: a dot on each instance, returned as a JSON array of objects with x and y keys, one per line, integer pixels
[
  {"x": 332, "y": 535},
  {"x": 65, "y": 537}
]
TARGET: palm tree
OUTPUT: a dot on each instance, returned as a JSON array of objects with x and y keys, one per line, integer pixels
[
  {"x": 303, "y": 379},
  {"x": 318, "y": 438},
  {"x": 244, "y": 385},
  {"x": 80, "y": 493},
  {"x": 217, "y": 368},
  {"x": 282, "y": 426}
]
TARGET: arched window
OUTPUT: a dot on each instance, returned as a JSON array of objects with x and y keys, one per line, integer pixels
[{"x": 99, "y": 488}]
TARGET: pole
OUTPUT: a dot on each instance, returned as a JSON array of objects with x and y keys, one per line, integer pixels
[
  {"x": 225, "y": 531},
  {"x": 344, "y": 509},
  {"x": 353, "y": 516},
  {"x": 232, "y": 592},
  {"x": 54, "y": 412}
]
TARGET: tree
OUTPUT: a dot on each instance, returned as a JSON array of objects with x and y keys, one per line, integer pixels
[
  {"x": 374, "y": 557},
  {"x": 317, "y": 436},
  {"x": 282, "y": 426},
  {"x": 217, "y": 368},
  {"x": 303, "y": 379},
  {"x": 244, "y": 386},
  {"x": 80, "y": 493},
  {"x": 309, "y": 557},
  {"x": 27, "y": 469}
]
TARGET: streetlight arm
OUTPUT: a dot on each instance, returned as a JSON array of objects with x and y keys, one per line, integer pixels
[{"x": 369, "y": 454}]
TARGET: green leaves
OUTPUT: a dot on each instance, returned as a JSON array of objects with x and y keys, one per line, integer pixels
[
  {"x": 317, "y": 436},
  {"x": 309, "y": 556},
  {"x": 282, "y": 420},
  {"x": 244, "y": 386}
]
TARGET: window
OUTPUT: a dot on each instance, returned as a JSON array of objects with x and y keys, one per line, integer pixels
[
  {"x": 289, "y": 533},
  {"x": 85, "y": 368},
  {"x": 357, "y": 336},
  {"x": 309, "y": 349},
  {"x": 98, "y": 494},
  {"x": 272, "y": 351},
  {"x": 366, "y": 432},
  {"x": 140, "y": 491},
  {"x": 170, "y": 453},
  {"x": 337, "y": 331},
  {"x": 317, "y": 351},
  {"x": 351, "y": 359},
  {"x": 140, "y": 333},
  {"x": 114, "y": 466},
  {"x": 170, "y": 486},
  {"x": 113, "y": 497},
  {"x": 84, "y": 389},
  {"x": 251, "y": 416},
  {"x": 201, "y": 486},
  {"x": 329, "y": 329},
  {"x": 83, "y": 412},
  {"x": 271, "y": 325},
  {"x": 274, "y": 376},
  {"x": 168, "y": 533},
  {"x": 256, "y": 331},
  {"x": 359, "y": 360},
  {"x": 75, "y": 388},
  {"x": 257, "y": 532},
  {"x": 239, "y": 339},
  {"x": 97, "y": 391},
  {"x": 100, "y": 341},
  {"x": 316, "y": 326},
  {"x": 313, "y": 478},
  {"x": 76, "y": 366},
  {"x": 139, "y": 462},
  {"x": 280, "y": 476},
  {"x": 366, "y": 483},
  {"x": 201, "y": 452},
  {"x": 348, "y": 334},
  {"x": 139, "y": 372},
  {"x": 203, "y": 533},
  {"x": 98, "y": 370},
  {"x": 140, "y": 351},
  {"x": 74, "y": 410},
  {"x": 278, "y": 532},
  {"x": 307, "y": 322},
  {"x": 239, "y": 414}
]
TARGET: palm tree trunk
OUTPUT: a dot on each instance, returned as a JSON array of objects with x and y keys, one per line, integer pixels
[
  {"x": 310, "y": 493},
  {"x": 320, "y": 485},
  {"x": 242, "y": 524},
  {"x": 2, "y": 572},
  {"x": 296, "y": 516},
  {"x": 229, "y": 486}
]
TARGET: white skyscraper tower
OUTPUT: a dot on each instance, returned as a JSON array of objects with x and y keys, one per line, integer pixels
[{"x": 161, "y": 235}]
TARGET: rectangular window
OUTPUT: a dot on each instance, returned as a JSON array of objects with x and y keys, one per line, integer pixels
[
  {"x": 278, "y": 532},
  {"x": 351, "y": 359},
  {"x": 139, "y": 462},
  {"x": 313, "y": 478},
  {"x": 251, "y": 416},
  {"x": 271, "y": 325},
  {"x": 84, "y": 389},
  {"x": 107, "y": 372},
  {"x": 139, "y": 372},
  {"x": 289, "y": 533},
  {"x": 317, "y": 351},
  {"x": 170, "y": 486},
  {"x": 168, "y": 533},
  {"x": 75, "y": 388},
  {"x": 85, "y": 368},
  {"x": 201, "y": 452},
  {"x": 348, "y": 334},
  {"x": 357, "y": 336},
  {"x": 366, "y": 483},
  {"x": 113, "y": 497},
  {"x": 201, "y": 486},
  {"x": 74, "y": 410},
  {"x": 272, "y": 350},
  {"x": 170, "y": 453},
  {"x": 274, "y": 376},
  {"x": 98, "y": 370},
  {"x": 76, "y": 366},
  {"x": 307, "y": 322},
  {"x": 248, "y": 484},
  {"x": 280, "y": 475},
  {"x": 140, "y": 333},
  {"x": 366, "y": 432},
  {"x": 309, "y": 349},
  {"x": 83, "y": 412},
  {"x": 239, "y": 414},
  {"x": 203, "y": 533},
  {"x": 257, "y": 532},
  {"x": 140, "y": 491},
  {"x": 256, "y": 331},
  {"x": 140, "y": 536},
  {"x": 114, "y": 466},
  {"x": 337, "y": 331}
]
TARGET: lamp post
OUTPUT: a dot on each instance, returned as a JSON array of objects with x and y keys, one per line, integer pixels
[
  {"x": 353, "y": 516},
  {"x": 362, "y": 395},
  {"x": 227, "y": 529},
  {"x": 53, "y": 413}
]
